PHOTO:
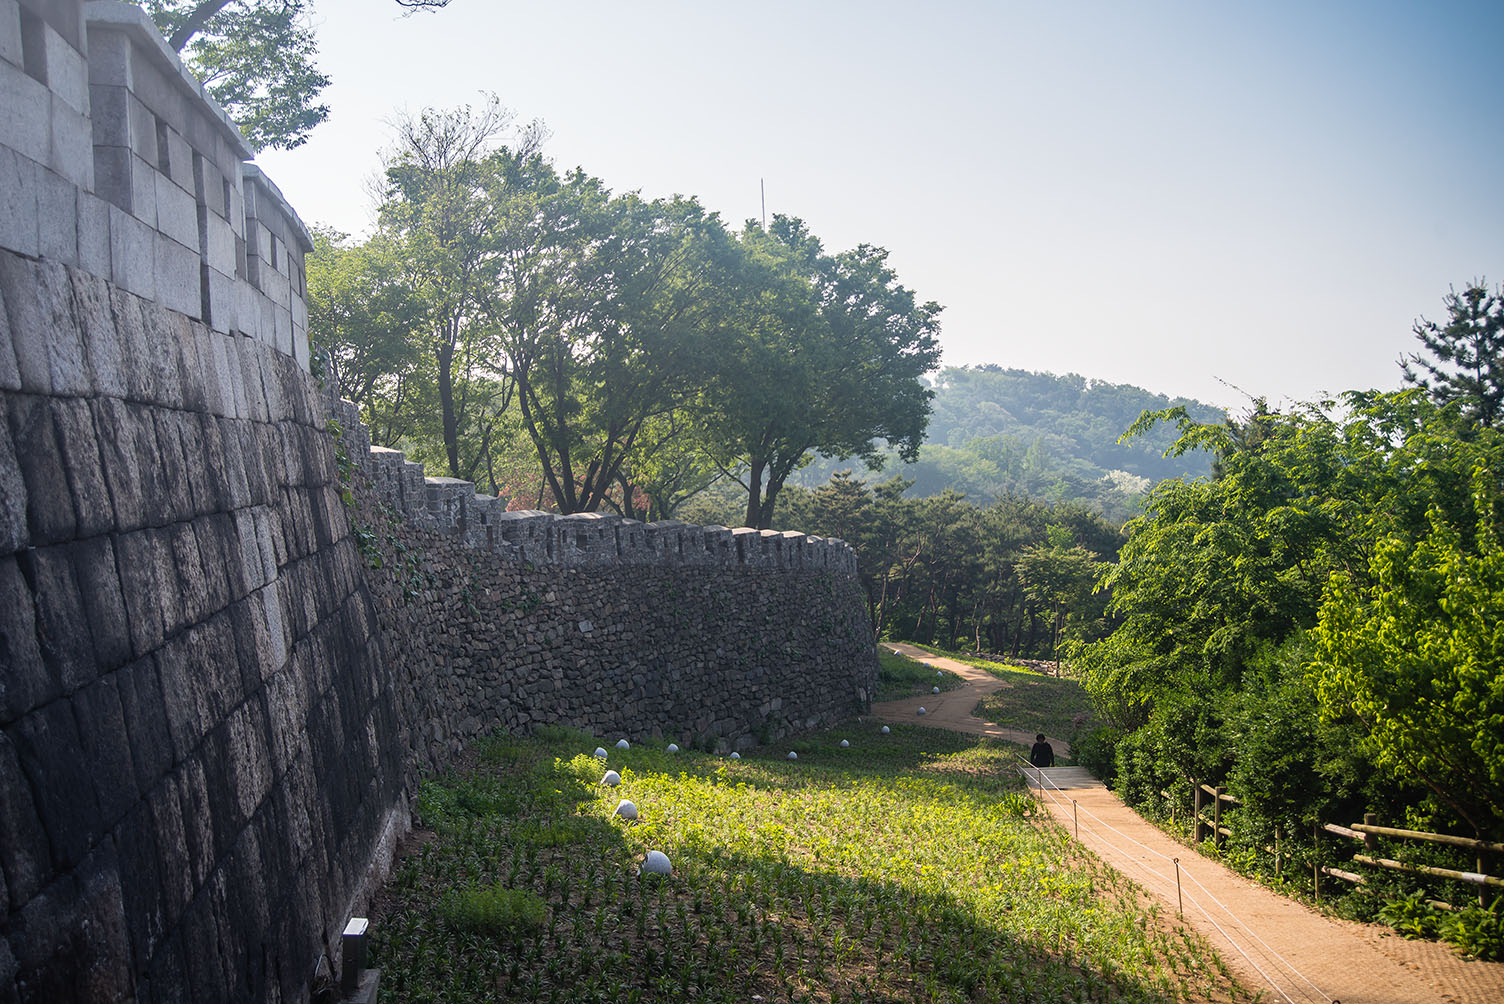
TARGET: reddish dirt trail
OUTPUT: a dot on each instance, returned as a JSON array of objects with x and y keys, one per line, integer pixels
[{"x": 1289, "y": 951}]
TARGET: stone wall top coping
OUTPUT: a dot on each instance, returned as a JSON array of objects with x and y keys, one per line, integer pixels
[
  {"x": 254, "y": 173},
  {"x": 133, "y": 21}
]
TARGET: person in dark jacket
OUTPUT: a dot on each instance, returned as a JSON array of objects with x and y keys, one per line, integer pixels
[{"x": 1042, "y": 754}]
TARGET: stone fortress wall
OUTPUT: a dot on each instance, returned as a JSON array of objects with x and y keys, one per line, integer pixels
[{"x": 213, "y": 703}]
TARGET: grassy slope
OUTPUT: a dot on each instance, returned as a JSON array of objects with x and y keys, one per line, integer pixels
[
  {"x": 898, "y": 676},
  {"x": 907, "y": 867}
]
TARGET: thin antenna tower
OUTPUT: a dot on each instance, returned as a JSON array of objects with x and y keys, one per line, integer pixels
[{"x": 763, "y": 188}]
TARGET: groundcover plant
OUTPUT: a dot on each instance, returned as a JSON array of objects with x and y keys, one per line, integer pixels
[{"x": 905, "y": 867}]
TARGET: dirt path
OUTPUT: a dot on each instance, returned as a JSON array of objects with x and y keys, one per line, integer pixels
[
  {"x": 952, "y": 709},
  {"x": 1292, "y": 953}
]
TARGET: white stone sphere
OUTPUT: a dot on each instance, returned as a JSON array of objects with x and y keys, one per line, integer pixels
[
  {"x": 934, "y": 690},
  {"x": 923, "y": 712},
  {"x": 673, "y": 747},
  {"x": 939, "y": 672},
  {"x": 612, "y": 779},
  {"x": 657, "y": 863},
  {"x": 885, "y": 730},
  {"x": 793, "y": 755},
  {"x": 735, "y": 755},
  {"x": 600, "y": 753},
  {"x": 626, "y": 810},
  {"x": 622, "y": 744},
  {"x": 844, "y": 744}
]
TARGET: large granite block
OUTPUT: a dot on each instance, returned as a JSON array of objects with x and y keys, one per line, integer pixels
[
  {"x": 132, "y": 262},
  {"x": 149, "y": 585},
  {"x": 108, "y": 748},
  {"x": 175, "y": 501},
  {"x": 96, "y": 325},
  {"x": 104, "y": 603},
  {"x": 128, "y": 450},
  {"x": 50, "y": 515},
  {"x": 57, "y": 218},
  {"x": 175, "y": 274},
  {"x": 64, "y": 633},
  {"x": 10, "y": 32},
  {"x": 27, "y": 682},
  {"x": 20, "y": 179},
  {"x": 94, "y": 235},
  {"x": 51, "y": 753},
  {"x": 24, "y": 854},
  {"x": 81, "y": 457},
  {"x": 177, "y": 214},
  {"x": 24, "y": 114},
  {"x": 13, "y": 532},
  {"x": 145, "y": 711},
  {"x": 70, "y": 154},
  {"x": 67, "y": 74}
]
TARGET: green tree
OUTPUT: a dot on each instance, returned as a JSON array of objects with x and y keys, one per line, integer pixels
[
  {"x": 1417, "y": 654},
  {"x": 444, "y": 210},
  {"x": 363, "y": 318},
  {"x": 1060, "y": 577},
  {"x": 256, "y": 57},
  {"x": 610, "y": 304},
  {"x": 1467, "y": 354},
  {"x": 828, "y": 357}
]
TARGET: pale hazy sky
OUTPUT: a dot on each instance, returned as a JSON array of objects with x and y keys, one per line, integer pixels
[{"x": 1166, "y": 194}]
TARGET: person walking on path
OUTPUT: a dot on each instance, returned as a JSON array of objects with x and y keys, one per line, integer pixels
[{"x": 1042, "y": 754}]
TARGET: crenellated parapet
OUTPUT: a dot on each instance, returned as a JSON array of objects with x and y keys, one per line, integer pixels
[
  {"x": 451, "y": 506},
  {"x": 117, "y": 162}
]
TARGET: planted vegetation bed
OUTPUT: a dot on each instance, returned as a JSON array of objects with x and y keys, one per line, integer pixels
[
  {"x": 898, "y": 677},
  {"x": 905, "y": 867}
]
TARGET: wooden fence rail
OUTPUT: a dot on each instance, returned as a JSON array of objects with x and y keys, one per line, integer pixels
[{"x": 1207, "y": 823}]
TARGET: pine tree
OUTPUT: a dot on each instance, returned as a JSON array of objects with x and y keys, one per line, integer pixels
[{"x": 1464, "y": 361}]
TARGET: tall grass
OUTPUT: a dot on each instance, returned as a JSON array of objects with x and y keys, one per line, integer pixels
[{"x": 908, "y": 867}]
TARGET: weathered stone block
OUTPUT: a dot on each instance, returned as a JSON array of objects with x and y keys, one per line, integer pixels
[
  {"x": 145, "y": 711},
  {"x": 70, "y": 154},
  {"x": 49, "y": 506},
  {"x": 175, "y": 501},
  {"x": 131, "y": 254},
  {"x": 57, "y": 218},
  {"x": 24, "y": 854},
  {"x": 113, "y": 176},
  {"x": 67, "y": 73},
  {"x": 27, "y": 681},
  {"x": 24, "y": 114},
  {"x": 10, "y": 32},
  {"x": 127, "y": 446},
  {"x": 104, "y": 603},
  {"x": 29, "y": 319},
  {"x": 175, "y": 275},
  {"x": 108, "y": 748},
  {"x": 177, "y": 214},
  {"x": 81, "y": 458},
  {"x": 96, "y": 325},
  {"x": 13, "y": 532},
  {"x": 149, "y": 585},
  {"x": 63, "y": 629},
  {"x": 20, "y": 224},
  {"x": 50, "y": 751},
  {"x": 94, "y": 235}
]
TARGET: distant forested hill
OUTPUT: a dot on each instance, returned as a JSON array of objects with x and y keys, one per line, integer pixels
[{"x": 999, "y": 431}]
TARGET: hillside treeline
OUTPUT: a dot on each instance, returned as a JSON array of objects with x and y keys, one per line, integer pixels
[
  {"x": 576, "y": 349},
  {"x": 998, "y": 432},
  {"x": 1316, "y": 626}
]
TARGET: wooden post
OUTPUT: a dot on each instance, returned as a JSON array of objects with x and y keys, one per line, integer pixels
[
  {"x": 1217, "y": 816},
  {"x": 1196, "y": 808},
  {"x": 1370, "y": 842},
  {"x": 1276, "y": 852},
  {"x": 1179, "y": 900},
  {"x": 1316, "y": 861}
]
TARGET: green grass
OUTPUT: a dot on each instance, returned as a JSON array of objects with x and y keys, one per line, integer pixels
[
  {"x": 898, "y": 677},
  {"x": 908, "y": 867}
]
